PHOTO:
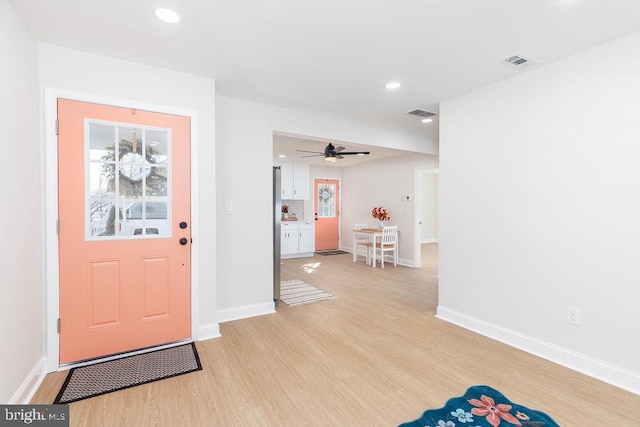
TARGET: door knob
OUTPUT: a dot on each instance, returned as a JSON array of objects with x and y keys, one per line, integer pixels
[
  {"x": 183, "y": 241},
  {"x": 183, "y": 225}
]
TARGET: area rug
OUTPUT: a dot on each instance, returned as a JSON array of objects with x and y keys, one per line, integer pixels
[
  {"x": 482, "y": 406},
  {"x": 297, "y": 292},
  {"x": 332, "y": 252},
  {"x": 105, "y": 377}
]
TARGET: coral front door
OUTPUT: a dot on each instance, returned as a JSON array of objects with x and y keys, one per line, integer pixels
[
  {"x": 326, "y": 206},
  {"x": 124, "y": 237}
]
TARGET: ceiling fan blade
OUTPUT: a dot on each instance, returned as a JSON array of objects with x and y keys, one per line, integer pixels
[
  {"x": 338, "y": 149},
  {"x": 339, "y": 156},
  {"x": 314, "y": 152},
  {"x": 351, "y": 153},
  {"x": 313, "y": 155}
]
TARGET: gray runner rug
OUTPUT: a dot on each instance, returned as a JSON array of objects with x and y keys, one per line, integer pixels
[
  {"x": 113, "y": 375},
  {"x": 297, "y": 292}
]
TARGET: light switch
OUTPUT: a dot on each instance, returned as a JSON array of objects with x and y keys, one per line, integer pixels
[{"x": 229, "y": 208}]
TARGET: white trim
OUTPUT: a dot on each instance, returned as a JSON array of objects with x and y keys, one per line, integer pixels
[
  {"x": 430, "y": 241},
  {"x": 51, "y": 96},
  {"x": 208, "y": 331},
  {"x": 417, "y": 216},
  {"x": 245, "y": 311},
  {"x": 417, "y": 213},
  {"x": 595, "y": 368},
  {"x": 312, "y": 196},
  {"x": 30, "y": 384}
]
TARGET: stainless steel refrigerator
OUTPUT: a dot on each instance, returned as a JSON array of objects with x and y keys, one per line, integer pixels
[{"x": 277, "y": 208}]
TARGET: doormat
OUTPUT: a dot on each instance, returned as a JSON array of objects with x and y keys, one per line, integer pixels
[
  {"x": 297, "y": 292},
  {"x": 331, "y": 252},
  {"x": 482, "y": 406},
  {"x": 113, "y": 375}
]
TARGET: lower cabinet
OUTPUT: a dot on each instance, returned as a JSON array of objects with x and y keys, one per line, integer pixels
[
  {"x": 297, "y": 239},
  {"x": 288, "y": 239}
]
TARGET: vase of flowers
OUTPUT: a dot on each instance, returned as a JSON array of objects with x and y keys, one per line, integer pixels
[
  {"x": 285, "y": 211},
  {"x": 380, "y": 213}
]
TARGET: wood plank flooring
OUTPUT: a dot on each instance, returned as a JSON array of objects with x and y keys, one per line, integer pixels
[{"x": 373, "y": 356}]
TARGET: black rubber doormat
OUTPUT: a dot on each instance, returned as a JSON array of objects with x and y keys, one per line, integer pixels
[
  {"x": 105, "y": 377},
  {"x": 332, "y": 252}
]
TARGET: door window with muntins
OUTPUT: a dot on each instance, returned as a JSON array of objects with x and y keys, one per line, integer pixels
[
  {"x": 326, "y": 200},
  {"x": 127, "y": 181}
]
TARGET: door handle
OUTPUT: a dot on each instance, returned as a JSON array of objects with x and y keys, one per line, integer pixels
[
  {"x": 183, "y": 225},
  {"x": 183, "y": 241}
]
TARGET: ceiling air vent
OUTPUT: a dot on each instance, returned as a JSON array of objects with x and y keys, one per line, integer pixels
[
  {"x": 421, "y": 113},
  {"x": 517, "y": 60}
]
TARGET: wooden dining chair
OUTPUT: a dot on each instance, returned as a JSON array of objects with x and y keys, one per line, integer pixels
[
  {"x": 388, "y": 243},
  {"x": 362, "y": 242}
]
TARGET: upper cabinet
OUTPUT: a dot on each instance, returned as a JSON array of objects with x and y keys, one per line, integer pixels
[{"x": 294, "y": 181}]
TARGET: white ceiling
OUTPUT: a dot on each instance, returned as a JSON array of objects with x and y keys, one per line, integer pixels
[
  {"x": 288, "y": 146},
  {"x": 335, "y": 56}
]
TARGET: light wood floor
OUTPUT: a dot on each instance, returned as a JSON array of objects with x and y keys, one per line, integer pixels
[{"x": 373, "y": 356}]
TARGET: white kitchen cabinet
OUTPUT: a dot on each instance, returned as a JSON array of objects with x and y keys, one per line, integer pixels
[
  {"x": 297, "y": 239},
  {"x": 288, "y": 239},
  {"x": 300, "y": 181},
  {"x": 306, "y": 238},
  {"x": 294, "y": 181}
]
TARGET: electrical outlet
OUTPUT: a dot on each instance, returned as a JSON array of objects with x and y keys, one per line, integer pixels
[
  {"x": 229, "y": 208},
  {"x": 573, "y": 316}
]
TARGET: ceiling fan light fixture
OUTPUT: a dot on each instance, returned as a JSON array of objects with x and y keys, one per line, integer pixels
[{"x": 330, "y": 159}]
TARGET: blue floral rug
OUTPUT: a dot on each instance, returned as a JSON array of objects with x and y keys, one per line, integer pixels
[{"x": 482, "y": 406}]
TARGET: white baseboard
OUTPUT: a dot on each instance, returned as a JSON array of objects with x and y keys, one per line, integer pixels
[
  {"x": 30, "y": 384},
  {"x": 614, "y": 375},
  {"x": 246, "y": 311},
  {"x": 208, "y": 331}
]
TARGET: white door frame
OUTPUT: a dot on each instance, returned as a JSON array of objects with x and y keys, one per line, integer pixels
[
  {"x": 313, "y": 204},
  {"x": 51, "y": 255},
  {"x": 417, "y": 212}
]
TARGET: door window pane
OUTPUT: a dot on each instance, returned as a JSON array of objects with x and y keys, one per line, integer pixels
[
  {"x": 102, "y": 217},
  {"x": 127, "y": 192},
  {"x": 326, "y": 200},
  {"x": 102, "y": 144}
]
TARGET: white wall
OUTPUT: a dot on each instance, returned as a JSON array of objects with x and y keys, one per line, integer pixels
[
  {"x": 77, "y": 71},
  {"x": 540, "y": 210},
  {"x": 244, "y": 135},
  {"x": 20, "y": 210},
  {"x": 429, "y": 206},
  {"x": 382, "y": 183}
]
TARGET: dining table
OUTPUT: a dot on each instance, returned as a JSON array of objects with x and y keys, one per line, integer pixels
[{"x": 373, "y": 233}]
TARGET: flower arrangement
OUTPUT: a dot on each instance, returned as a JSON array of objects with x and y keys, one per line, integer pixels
[
  {"x": 380, "y": 213},
  {"x": 285, "y": 209}
]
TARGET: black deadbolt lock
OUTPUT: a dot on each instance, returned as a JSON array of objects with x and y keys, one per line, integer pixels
[
  {"x": 183, "y": 225},
  {"x": 183, "y": 241}
]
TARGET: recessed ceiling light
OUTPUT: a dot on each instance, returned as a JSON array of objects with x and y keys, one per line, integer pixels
[
  {"x": 392, "y": 85},
  {"x": 167, "y": 15},
  {"x": 427, "y": 120},
  {"x": 282, "y": 156}
]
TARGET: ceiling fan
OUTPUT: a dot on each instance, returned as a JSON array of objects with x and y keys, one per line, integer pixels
[{"x": 332, "y": 154}]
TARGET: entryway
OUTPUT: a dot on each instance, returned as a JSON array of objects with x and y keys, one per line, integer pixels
[
  {"x": 119, "y": 276},
  {"x": 326, "y": 205}
]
